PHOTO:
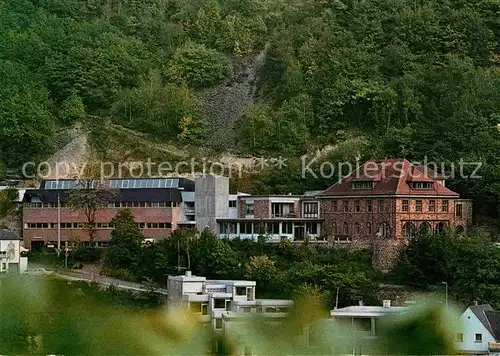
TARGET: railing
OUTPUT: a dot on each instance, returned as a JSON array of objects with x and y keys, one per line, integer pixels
[
  {"x": 188, "y": 210},
  {"x": 284, "y": 215}
]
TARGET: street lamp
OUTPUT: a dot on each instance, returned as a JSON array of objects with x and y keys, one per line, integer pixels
[
  {"x": 446, "y": 292},
  {"x": 58, "y": 224}
]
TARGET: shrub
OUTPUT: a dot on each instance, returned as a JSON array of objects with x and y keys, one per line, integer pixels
[
  {"x": 198, "y": 65},
  {"x": 87, "y": 254}
]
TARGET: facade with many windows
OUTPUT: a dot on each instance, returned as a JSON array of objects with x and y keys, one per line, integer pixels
[{"x": 159, "y": 206}]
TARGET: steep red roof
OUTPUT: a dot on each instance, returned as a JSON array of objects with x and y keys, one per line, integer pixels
[{"x": 389, "y": 177}]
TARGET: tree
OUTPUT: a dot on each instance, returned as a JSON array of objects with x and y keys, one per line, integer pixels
[
  {"x": 89, "y": 197},
  {"x": 183, "y": 239},
  {"x": 214, "y": 257},
  {"x": 125, "y": 241},
  {"x": 198, "y": 65},
  {"x": 262, "y": 270},
  {"x": 72, "y": 109}
]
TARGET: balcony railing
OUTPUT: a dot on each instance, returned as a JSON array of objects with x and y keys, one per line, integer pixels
[
  {"x": 188, "y": 210},
  {"x": 284, "y": 215}
]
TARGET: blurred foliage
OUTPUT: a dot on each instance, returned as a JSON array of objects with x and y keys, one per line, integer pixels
[{"x": 47, "y": 316}]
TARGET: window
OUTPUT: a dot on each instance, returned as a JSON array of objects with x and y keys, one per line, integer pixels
[
  {"x": 204, "y": 309},
  {"x": 232, "y": 203},
  {"x": 421, "y": 185},
  {"x": 408, "y": 229},
  {"x": 335, "y": 206},
  {"x": 282, "y": 209},
  {"x": 312, "y": 228},
  {"x": 287, "y": 228},
  {"x": 384, "y": 230},
  {"x": 460, "y": 337},
  {"x": 356, "y": 228},
  {"x": 478, "y": 338},
  {"x": 245, "y": 228},
  {"x": 458, "y": 210},
  {"x": 444, "y": 206},
  {"x": 418, "y": 206},
  {"x": 369, "y": 206},
  {"x": 404, "y": 206},
  {"x": 219, "y": 303},
  {"x": 310, "y": 210},
  {"x": 381, "y": 206},
  {"x": 227, "y": 228},
  {"x": 369, "y": 228},
  {"x": 346, "y": 205},
  {"x": 249, "y": 208},
  {"x": 432, "y": 206},
  {"x": 334, "y": 228},
  {"x": 362, "y": 185},
  {"x": 241, "y": 290},
  {"x": 273, "y": 228},
  {"x": 346, "y": 229},
  {"x": 357, "y": 206},
  {"x": 218, "y": 323}
]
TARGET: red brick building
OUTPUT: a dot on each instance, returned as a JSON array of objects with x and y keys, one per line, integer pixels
[
  {"x": 383, "y": 202},
  {"x": 157, "y": 205}
]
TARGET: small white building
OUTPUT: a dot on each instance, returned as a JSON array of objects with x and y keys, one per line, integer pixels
[
  {"x": 479, "y": 331},
  {"x": 11, "y": 250},
  {"x": 364, "y": 318}
]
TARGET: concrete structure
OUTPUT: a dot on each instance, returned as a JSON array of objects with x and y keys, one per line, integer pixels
[
  {"x": 479, "y": 331},
  {"x": 212, "y": 300},
  {"x": 156, "y": 203},
  {"x": 12, "y": 259},
  {"x": 212, "y": 200},
  {"x": 364, "y": 318}
]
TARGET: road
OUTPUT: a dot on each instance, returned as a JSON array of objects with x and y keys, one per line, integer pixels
[
  {"x": 77, "y": 276},
  {"x": 80, "y": 276}
]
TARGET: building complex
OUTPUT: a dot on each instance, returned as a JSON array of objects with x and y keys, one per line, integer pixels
[{"x": 377, "y": 206}]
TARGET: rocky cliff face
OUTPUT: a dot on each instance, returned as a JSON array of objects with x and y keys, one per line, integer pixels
[{"x": 225, "y": 103}]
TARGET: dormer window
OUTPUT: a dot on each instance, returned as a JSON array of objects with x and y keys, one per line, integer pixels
[
  {"x": 362, "y": 185},
  {"x": 420, "y": 185}
]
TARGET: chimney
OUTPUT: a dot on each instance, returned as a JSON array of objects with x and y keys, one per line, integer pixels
[
  {"x": 474, "y": 303},
  {"x": 360, "y": 303},
  {"x": 188, "y": 273},
  {"x": 386, "y": 303}
]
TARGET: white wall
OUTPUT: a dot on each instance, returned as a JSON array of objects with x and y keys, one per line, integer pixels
[
  {"x": 469, "y": 326},
  {"x": 18, "y": 263}
]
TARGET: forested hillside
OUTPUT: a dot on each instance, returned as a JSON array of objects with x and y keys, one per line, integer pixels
[{"x": 373, "y": 78}]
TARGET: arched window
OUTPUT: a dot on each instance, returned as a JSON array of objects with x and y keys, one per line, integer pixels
[
  {"x": 346, "y": 229},
  {"x": 384, "y": 230},
  {"x": 425, "y": 228},
  {"x": 334, "y": 228},
  {"x": 408, "y": 229},
  {"x": 439, "y": 228},
  {"x": 356, "y": 228},
  {"x": 368, "y": 228}
]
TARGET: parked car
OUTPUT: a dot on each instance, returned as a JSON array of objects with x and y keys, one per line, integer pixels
[{"x": 38, "y": 272}]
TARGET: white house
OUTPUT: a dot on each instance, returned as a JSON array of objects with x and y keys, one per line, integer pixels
[
  {"x": 364, "y": 318},
  {"x": 479, "y": 330},
  {"x": 11, "y": 249}
]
